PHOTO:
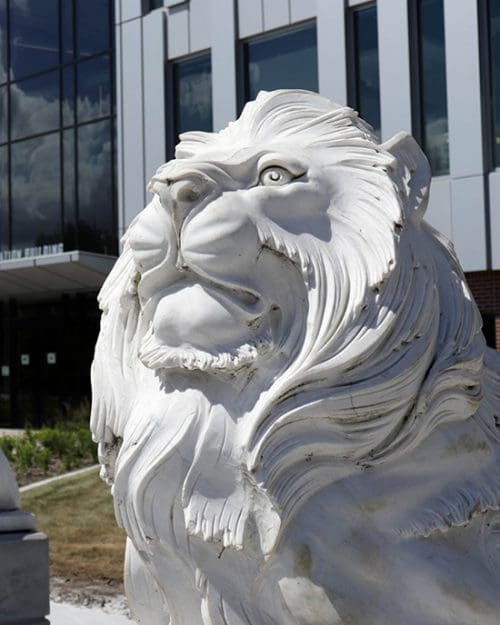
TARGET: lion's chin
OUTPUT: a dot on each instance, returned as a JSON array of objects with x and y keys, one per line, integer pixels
[{"x": 154, "y": 355}]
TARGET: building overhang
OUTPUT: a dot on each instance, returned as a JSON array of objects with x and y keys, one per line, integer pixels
[{"x": 43, "y": 276}]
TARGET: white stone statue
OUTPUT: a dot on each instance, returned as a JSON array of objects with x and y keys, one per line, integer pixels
[{"x": 292, "y": 394}]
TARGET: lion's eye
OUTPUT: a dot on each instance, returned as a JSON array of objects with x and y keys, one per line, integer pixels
[{"x": 275, "y": 176}]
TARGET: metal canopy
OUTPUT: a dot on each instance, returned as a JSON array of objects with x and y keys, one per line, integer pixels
[{"x": 43, "y": 276}]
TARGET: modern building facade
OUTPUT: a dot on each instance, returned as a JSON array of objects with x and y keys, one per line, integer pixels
[
  {"x": 58, "y": 229},
  {"x": 429, "y": 67}
]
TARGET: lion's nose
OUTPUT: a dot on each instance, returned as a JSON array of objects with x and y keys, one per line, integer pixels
[
  {"x": 186, "y": 193},
  {"x": 189, "y": 190}
]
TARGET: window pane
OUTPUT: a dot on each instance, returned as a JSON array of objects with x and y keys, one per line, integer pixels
[
  {"x": 495, "y": 73},
  {"x": 4, "y": 199},
  {"x": 3, "y": 114},
  {"x": 193, "y": 95},
  {"x": 433, "y": 85},
  {"x": 69, "y": 190},
  {"x": 68, "y": 96},
  {"x": 367, "y": 86},
  {"x": 3, "y": 40},
  {"x": 35, "y": 105},
  {"x": 285, "y": 61},
  {"x": 93, "y": 82},
  {"x": 96, "y": 231},
  {"x": 34, "y": 36},
  {"x": 92, "y": 26},
  {"x": 36, "y": 192},
  {"x": 67, "y": 30}
]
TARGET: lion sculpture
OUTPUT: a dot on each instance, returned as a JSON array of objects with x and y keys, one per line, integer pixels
[{"x": 293, "y": 399}]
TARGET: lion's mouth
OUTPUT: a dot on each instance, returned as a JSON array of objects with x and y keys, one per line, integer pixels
[{"x": 193, "y": 325}]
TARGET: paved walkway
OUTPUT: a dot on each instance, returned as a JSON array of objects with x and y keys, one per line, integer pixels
[
  {"x": 66, "y": 614},
  {"x": 11, "y": 432}
]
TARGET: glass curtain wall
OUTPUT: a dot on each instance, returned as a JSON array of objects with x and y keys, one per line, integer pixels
[
  {"x": 56, "y": 125},
  {"x": 491, "y": 10},
  {"x": 429, "y": 68},
  {"x": 364, "y": 84},
  {"x": 283, "y": 60}
]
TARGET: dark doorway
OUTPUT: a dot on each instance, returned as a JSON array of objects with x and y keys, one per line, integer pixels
[{"x": 47, "y": 349}]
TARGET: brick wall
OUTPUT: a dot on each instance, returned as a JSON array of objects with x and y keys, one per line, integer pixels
[{"x": 485, "y": 287}]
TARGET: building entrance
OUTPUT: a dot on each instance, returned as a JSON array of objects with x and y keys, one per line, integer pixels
[{"x": 46, "y": 352}]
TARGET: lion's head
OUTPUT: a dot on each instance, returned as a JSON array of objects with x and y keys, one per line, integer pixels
[{"x": 283, "y": 270}]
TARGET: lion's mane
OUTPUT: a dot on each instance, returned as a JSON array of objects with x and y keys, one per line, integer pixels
[{"x": 391, "y": 347}]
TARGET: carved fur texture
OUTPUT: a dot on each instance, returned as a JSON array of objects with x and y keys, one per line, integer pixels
[{"x": 292, "y": 395}]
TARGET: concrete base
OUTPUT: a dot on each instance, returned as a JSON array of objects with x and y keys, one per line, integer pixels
[{"x": 24, "y": 575}]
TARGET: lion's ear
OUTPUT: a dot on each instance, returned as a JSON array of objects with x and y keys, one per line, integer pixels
[{"x": 413, "y": 173}]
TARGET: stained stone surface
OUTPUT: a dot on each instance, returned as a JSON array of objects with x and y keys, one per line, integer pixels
[
  {"x": 293, "y": 398},
  {"x": 24, "y": 565}
]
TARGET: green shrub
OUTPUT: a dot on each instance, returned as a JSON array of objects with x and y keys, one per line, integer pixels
[
  {"x": 68, "y": 444},
  {"x": 57, "y": 440},
  {"x": 68, "y": 462},
  {"x": 43, "y": 458},
  {"x": 24, "y": 454},
  {"x": 7, "y": 445},
  {"x": 29, "y": 435},
  {"x": 86, "y": 444}
]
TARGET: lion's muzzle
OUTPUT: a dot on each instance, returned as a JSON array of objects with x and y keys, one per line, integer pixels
[{"x": 182, "y": 193}]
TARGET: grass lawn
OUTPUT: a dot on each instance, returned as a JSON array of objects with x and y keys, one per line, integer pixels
[{"x": 77, "y": 515}]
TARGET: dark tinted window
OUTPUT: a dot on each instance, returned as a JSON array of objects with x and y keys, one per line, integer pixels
[
  {"x": 69, "y": 190},
  {"x": 96, "y": 230},
  {"x": 34, "y": 105},
  {"x": 433, "y": 100},
  {"x": 286, "y": 60},
  {"x": 365, "y": 96},
  {"x": 68, "y": 95},
  {"x": 3, "y": 40},
  {"x": 93, "y": 80},
  {"x": 193, "y": 94},
  {"x": 36, "y": 189},
  {"x": 4, "y": 199},
  {"x": 92, "y": 27},
  {"x": 3, "y": 114},
  {"x": 67, "y": 32},
  {"x": 34, "y": 36},
  {"x": 494, "y": 27}
]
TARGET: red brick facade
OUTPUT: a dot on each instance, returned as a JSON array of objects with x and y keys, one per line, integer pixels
[{"x": 485, "y": 287}]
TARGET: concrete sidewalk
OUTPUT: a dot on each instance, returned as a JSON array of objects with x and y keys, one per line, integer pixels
[
  {"x": 67, "y": 614},
  {"x": 57, "y": 478}
]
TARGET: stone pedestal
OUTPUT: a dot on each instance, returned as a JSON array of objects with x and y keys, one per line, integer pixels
[
  {"x": 24, "y": 559},
  {"x": 24, "y": 589}
]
